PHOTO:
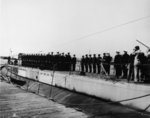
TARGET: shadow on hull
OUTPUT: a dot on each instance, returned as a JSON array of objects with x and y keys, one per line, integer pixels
[{"x": 18, "y": 82}]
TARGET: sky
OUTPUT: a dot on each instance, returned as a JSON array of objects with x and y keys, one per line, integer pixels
[{"x": 76, "y": 26}]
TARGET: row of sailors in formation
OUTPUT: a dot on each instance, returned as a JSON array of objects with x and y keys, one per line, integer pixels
[
  {"x": 92, "y": 64},
  {"x": 58, "y": 61},
  {"x": 125, "y": 65}
]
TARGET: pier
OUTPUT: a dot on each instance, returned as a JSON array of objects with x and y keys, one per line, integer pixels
[{"x": 17, "y": 103}]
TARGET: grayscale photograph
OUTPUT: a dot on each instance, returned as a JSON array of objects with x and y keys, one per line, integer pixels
[{"x": 74, "y": 58}]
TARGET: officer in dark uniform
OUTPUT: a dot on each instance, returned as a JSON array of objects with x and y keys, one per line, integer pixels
[
  {"x": 90, "y": 63},
  {"x": 33, "y": 60},
  {"x": 56, "y": 64},
  {"x": 99, "y": 59},
  {"x": 37, "y": 60},
  {"x": 40, "y": 58},
  {"x": 117, "y": 64},
  {"x": 74, "y": 63},
  {"x": 44, "y": 61},
  {"x": 68, "y": 61},
  {"x": 27, "y": 60},
  {"x": 131, "y": 67},
  {"x": 125, "y": 62},
  {"x": 86, "y": 62},
  {"x": 104, "y": 62},
  {"x": 48, "y": 61},
  {"x": 82, "y": 64},
  {"x": 62, "y": 61},
  {"x": 108, "y": 60},
  {"x": 65, "y": 63},
  {"x": 51, "y": 60},
  {"x": 94, "y": 63}
]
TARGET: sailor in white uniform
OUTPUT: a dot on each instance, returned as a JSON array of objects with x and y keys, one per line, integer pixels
[{"x": 137, "y": 64}]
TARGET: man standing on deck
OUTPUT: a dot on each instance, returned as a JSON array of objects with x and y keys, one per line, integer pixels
[
  {"x": 99, "y": 59},
  {"x": 82, "y": 64},
  {"x": 68, "y": 61},
  {"x": 90, "y": 63},
  {"x": 104, "y": 61},
  {"x": 86, "y": 62},
  {"x": 51, "y": 60},
  {"x": 117, "y": 64},
  {"x": 57, "y": 61},
  {"x": 62, "y": 58},
  {"x": 94, "y": 63},
  {"x": 131, "y": 66},
  {"x": 125, "y": 61},
  {"x": 108, "y": 60},
  {"x": 137, "y": 64},
  {"x": 74, "y": 62}
]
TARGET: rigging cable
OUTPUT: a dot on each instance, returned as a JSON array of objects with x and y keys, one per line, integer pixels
[{"x": 108, "y": 29}]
